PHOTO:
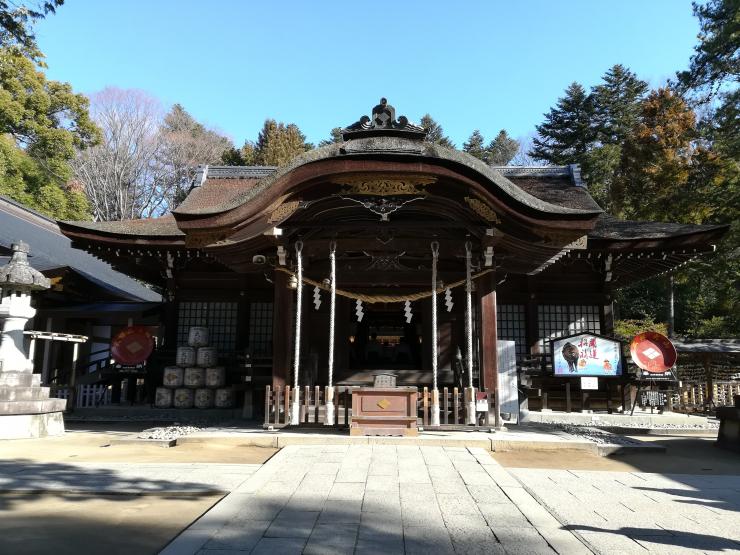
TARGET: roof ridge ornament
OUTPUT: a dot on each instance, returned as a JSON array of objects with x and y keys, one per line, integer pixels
[{"x": 383, "y": 123}]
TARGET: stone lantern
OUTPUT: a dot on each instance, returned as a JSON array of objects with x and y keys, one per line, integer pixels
[{"x": 25, "y": 407}]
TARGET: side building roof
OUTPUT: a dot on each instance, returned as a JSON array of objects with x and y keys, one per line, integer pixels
[{"x": 50, "y": 250}]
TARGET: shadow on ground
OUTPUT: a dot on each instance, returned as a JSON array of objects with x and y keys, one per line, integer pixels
[{"x": 23, "y": 476}]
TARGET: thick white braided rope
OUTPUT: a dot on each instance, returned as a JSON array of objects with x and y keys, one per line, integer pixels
[
  {"x": 332, "y": 304},
  {"x": 471, "y": 417},
  {"x": 469, "y": 311},
  {"x": 435, "y": 256},
  {"x": 295, "y": 417}
]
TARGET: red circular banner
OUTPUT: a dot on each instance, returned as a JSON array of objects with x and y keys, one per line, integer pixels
[
  {"x": 653, "y": 352},
  {"x": 132, "y": 345}
]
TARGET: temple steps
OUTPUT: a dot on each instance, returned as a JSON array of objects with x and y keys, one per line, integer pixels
[
  {"x": 21, "y": 393},
  {"x": 19, "y": 379},
  {"x": 32, "y": 407}
]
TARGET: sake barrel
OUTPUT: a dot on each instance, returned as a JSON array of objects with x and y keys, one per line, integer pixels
[
  {"x": 163, "y": 398},
  {"x": 183, "y": 398},
  {"x": 194, "y": 377},
  {"x": 185, "y": 356},
  {"x": 173, "y": 376},
  {"x": 198, "y": 336},
  {"x": 206, "y": 357},
  {"x": 224, "y": 398},
  {"x": 215, "y": 376},
  {"x": 204, "y": 398}
]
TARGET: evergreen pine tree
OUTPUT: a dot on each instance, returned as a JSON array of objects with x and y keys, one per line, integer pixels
[
  {"x": 502, "y": 149},
  {"x": 567, "y": 132},
  {"x": 475, "y": 146},
  {"x": 335, "y": 136},
  {"x": 277, "y": 144},
  {"x": 616, "y": 104},
  {"x": 435, "y": 133}
]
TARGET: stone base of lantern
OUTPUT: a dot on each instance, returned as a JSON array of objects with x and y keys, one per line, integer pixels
[{"x": 29, "y": 426}]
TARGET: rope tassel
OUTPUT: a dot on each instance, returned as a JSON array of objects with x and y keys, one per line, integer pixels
[{"x": 294, "y": 413}]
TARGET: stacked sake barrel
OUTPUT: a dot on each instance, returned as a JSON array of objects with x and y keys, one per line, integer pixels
[{"x": 195, "y": 381}]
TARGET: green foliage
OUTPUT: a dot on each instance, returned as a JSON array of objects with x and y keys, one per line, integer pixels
[
  {"x": 44, "y": 117},
  {"x": 501, "y": 150},
  {"x": 276, "y": 145},
  {"x": 435, "y": 133},
  {"x": 626, "y": 330},
  {"x": 568, "y": 130},
  {"x": 24, "y": 180},
  {"x": 475, "y": 145},
  {"x": 16, "y": 21},
  {"x": 335, "y": 136},
  {"x": 716, "y": 59}
]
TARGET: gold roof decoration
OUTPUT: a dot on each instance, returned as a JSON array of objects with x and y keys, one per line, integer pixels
[{"x": 387, "y": 184}]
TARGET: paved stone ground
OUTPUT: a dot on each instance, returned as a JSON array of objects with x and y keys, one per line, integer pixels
[
  {"x": 19, "y": 476},
  {"x": 636, "y": 512},
  {"x": 378, "y": 499}
]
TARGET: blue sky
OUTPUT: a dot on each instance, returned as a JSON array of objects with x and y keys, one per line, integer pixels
[{"x": 324, "y": 63}]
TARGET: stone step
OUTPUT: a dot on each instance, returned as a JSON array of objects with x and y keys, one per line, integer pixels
[
  {"x": 32, "y": 407},
  {"x": 23, "y": 393},
  {"x": 22, "y": 379}
]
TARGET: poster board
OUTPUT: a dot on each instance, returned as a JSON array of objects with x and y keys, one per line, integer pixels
[{"x": 586, "y": 354}]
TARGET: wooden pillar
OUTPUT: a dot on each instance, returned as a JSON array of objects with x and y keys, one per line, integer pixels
[
  {"x": 488, "y": 333},
  {"x": 170, "y": 316},
  {"x": 282, "y": 331}
]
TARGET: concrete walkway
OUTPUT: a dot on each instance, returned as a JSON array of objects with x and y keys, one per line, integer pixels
[{"x": 384, "y": 499}]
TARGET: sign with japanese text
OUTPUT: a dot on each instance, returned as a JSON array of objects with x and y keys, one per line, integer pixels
[{"x": 586, "y": 354}]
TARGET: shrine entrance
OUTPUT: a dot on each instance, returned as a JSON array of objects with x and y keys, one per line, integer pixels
[{"x": 384, "y": 339}]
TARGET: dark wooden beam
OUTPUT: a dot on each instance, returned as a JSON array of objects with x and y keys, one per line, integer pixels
[
  {"x": 486, "y": 286},
  {"x": 282, "y": 328}
]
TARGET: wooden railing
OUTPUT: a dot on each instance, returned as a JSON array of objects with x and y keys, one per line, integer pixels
[{"x": 452, "y": 401}]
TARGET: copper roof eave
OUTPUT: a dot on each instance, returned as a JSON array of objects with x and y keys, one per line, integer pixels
[
  {"x": 78, "y": 233},
  {"x": 253, "y": 214},
  {"x": 700, "y": 239}
]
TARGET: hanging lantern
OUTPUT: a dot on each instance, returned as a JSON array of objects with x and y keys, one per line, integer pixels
[
  {"x": 316, "y": 297},
  {"x": 448, "y": 299},
  {"x": 358, "y": 310},
  {"x": 407, "y": 311}
]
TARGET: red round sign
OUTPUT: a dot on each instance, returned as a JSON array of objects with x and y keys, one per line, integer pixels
[
  {"x": 132, "y": 345},
  {"x": 653, "y": 352}
]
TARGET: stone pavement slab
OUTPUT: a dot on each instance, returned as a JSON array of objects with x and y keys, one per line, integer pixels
[
  {"x": 367, "y": 499},
  {"x": 635, "y": 512}
]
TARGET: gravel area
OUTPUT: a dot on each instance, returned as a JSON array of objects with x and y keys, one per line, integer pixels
[
  {"x": 596, "y": 435},
  {"x": 169, "y": 432}
]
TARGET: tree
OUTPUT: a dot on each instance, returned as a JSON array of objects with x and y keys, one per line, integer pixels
[
  {"x": 26, "y": 181},
  {"x": 335, "y": 136},
  {"x": 716, "y": 59},
  {"x": 16, "y": 21},
  {"x": 435, "y": 133},
  {"x": 186, "y": 144},
  {"x": 475, "y": 145},
  {"x": 657, "y": 161},
  {"x": 502, "y": 149},
  {"x": 567, "y": 132},
  {"x": 616, "y": 104},
  {"x": 120, "y": 175},
  {"x": 277, "y": 143},
  {"x": 42, "y": 122}
]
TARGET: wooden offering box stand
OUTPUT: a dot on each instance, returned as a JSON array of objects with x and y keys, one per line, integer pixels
[{"x": 384, "y": 411}]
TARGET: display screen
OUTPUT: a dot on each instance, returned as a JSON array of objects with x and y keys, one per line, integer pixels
[{"x": 586, "y": 354}]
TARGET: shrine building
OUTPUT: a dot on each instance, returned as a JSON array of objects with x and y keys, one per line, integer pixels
[{"x": 433, "y": 255}]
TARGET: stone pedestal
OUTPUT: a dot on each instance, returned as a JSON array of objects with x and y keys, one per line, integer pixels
[{"x": 26, "y": 411}]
